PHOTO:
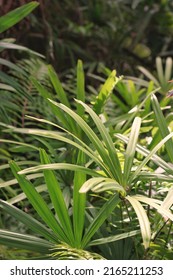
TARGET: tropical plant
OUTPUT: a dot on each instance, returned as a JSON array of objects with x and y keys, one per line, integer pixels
[{"x": 99, "y": 167}]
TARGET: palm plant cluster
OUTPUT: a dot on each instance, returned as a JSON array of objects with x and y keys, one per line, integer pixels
[{"x": 86, "y": 173}]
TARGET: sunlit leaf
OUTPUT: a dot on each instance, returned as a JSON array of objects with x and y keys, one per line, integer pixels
[{"x": 143, "y": 220}]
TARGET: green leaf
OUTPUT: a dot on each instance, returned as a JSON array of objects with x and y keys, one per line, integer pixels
[
  {"x": 161, "y": 122},
  {"x": 22, "y": 195},
  {"x": 155, "y": 204},
  {"x": 91, "y": 135},
  {"x": 59, "y": 166},
  {"x": 105, "y": 92},
  {"x": 143, "y": 220},
  {"x": 16, "y": 15},
  {"x": 79, "y": 202},
  {"x": 57, "y": 86},
  {"x": 25, "y": 241},
  {"x": 113, "y": 238},
  {"x": 11, "y": 46},
  {"x": 57, "y": 197},
  {"x": 80, "y": 87},
  {"x": 131, "y": 149},
  {"x": 112, "y": 158},
  {"x": 78, "y": 143},
  {"x": 145, "y": 152},
  {"x": 38, "y": 203},
  {"x": 28, "y": 220},
  {"x": 59, "y": 136},
  {"x": 11, "y": 65},
  {"x": 153, "y": 176},
  {"x": 14, "y": 181},
  {"x": 47, "y": 95},
  {"x": 102, "y": 184},
  {"x": 137, "y": 109},
  {"x": 101, "y": 216},
  {"x": 150, "y": 156},
  {"x": 168, "y": 201}
]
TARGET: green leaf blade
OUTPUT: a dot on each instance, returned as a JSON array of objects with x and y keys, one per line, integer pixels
[
  {"x": 28, "y": 220},
  {"x": 80, "y": 87},
  {"x": 143, "y": 220},
  {"x": 102, "y": 215},
  {"x": 25, "y": 241},
  {"x": 161, "y": 122},
  {"x": 16, "y": 15},
  {"x": 57, "y": 197},
  {"x": 79, "y": 202},
  {"x": 38, "y": 203},
  {"x": 131, "y": 149}
]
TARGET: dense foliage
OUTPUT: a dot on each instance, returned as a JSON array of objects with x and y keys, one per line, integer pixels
[{"x": 86, "y": 154}]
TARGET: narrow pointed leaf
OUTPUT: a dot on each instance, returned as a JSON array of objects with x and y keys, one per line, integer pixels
[
  {"x": 101, "y": 184},
  {"x": 78, "y": 143},
  {"x": 28, "y": 220},
  {"x": 113, "y": 238},
  {"x": 168, "y": 68},
  {"x": 57, "y": 197},
  {"x": 149, "y": 156},
  {"x": 79, "y": 202},
  {"x": 155, "y": 203},
  {"x": 114, "y": 163},
  {"x": 80, "y": 87},
  {"x": 131, "y": 149},
  {"x": 145, "y": 152},
  {"x": 143, "y": 220},
  {"x": 159, "y": 68},
  {"x": 105, "y": 92},
  {"x": 58, "y": 113},
  {"x": 25, "y": 241},
  {"x": 88, "y": 131},
  {"x": 168, "y": 201},
  {"x": 161, "y": 122},
  {"x": 57, "y": 86},
  {"x": 102, "y": 215},
  {"x": 59, "y": 166},
  {"x": 16, "y": 15},
  {"x": 38, "y": 203}
]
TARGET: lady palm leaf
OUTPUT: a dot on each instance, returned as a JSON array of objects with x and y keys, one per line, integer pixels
[
  {"x": 145, "y": 152},
  {"x": 161, "y": 122},
  {"x": 157, "y": 204},
  {"x": 114, "y": 164},
  {"x": 79, "y": 202},
  {"x": 78, "y": 143},
  {"x": 57, "y": 197},
  {"x": 38, "y": 203},
  {"x": 102, "y": 184},
  {"x": 105, "y": 92},
  {"x": 131, "y": 149},
  {"x": 113, "y": 238},
  {"x": 28, "y": 220},
  {"x": 143, "y": 220},
  {"x": 149, "y": 156},
  {"x": 80, "y": 87},
  {"x": 25, "y": 241},
  {"x": 101, "y": 216},
  {"x": 106, "y": 150}
]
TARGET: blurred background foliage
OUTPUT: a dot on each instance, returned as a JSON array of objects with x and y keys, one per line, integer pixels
[{"x": 121, "y": 34}]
